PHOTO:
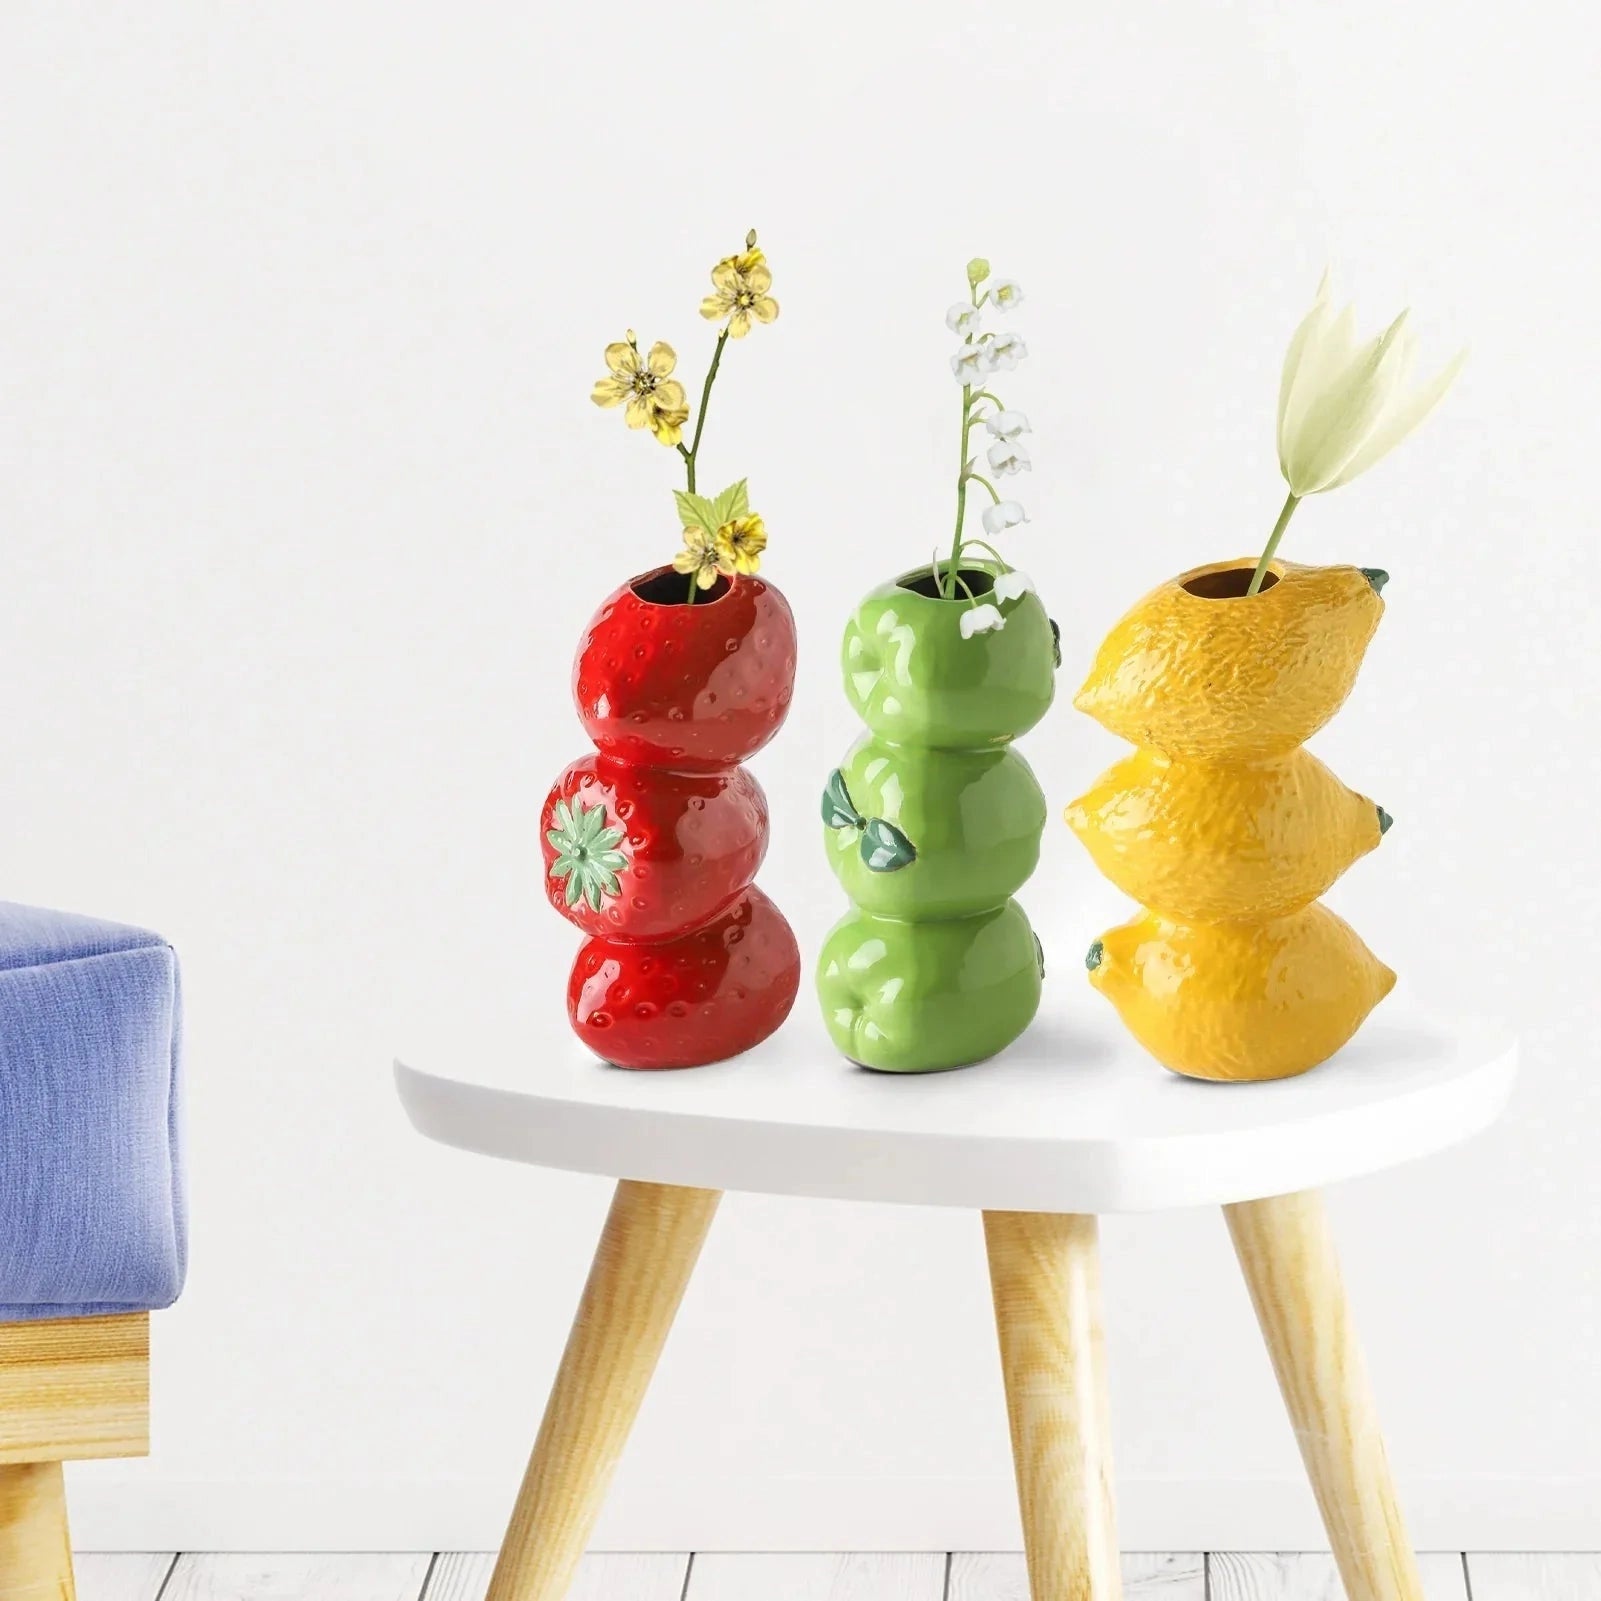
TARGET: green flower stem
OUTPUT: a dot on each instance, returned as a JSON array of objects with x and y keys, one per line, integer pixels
[
  {"x": 700, "y": 421},
  {"x": 948, "y": 590},
  {"x": 1291, "y": 501},
  {"x": 994, "y": 400},
  {"x": 694, "y": 444},
  {"x": 984, "y": 544},
  {"x": 978, "y": 479}
]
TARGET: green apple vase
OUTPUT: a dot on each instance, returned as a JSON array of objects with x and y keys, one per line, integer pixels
[{"x": 932, "y": 824}]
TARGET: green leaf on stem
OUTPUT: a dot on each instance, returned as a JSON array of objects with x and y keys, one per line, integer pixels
[
  {"x": 696, "y": 510},
  {"x": 733, "y": 502}
]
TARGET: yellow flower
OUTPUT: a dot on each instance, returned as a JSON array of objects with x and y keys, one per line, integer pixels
[
  {"x": 700, "y": 557},
  {"x": 741, "y": 283},
  {"x": 740, "y": 544},
  {"x": 655, "y": 400}
]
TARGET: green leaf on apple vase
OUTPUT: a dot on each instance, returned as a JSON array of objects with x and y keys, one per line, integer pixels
[
  {"x": 885, "y": 849},
  {"x": 839, "y": 811}
]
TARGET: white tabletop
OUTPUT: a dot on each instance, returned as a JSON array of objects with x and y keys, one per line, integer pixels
[{"x": 1075, "y": 1117}]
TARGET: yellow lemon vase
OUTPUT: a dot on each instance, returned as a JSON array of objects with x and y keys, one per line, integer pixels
[{"x": 1224, "y": 828}]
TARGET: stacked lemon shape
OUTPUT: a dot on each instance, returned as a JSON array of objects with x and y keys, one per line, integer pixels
[{"x": 1223, "y": 828}]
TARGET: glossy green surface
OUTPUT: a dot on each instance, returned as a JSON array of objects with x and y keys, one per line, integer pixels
[
  {"x": 930, "y": 824},
  {"x": 975, "y": 818},
  {"x": 912, "y": 678},
  {"x": 920, "y": 997}
]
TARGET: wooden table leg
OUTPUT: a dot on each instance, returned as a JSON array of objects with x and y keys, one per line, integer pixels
[
  {"x": 646, "y": 1254},
  {"x": 1045, "y": 1273},
  {"x": 35, "y": 1550},
  {"x": 1287, "y": 1255}
]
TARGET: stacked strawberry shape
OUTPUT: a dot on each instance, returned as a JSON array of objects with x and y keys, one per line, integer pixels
[{"x": 652, "y": 842}]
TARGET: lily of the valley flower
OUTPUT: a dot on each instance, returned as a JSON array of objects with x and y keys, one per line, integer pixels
[
  {"x": 1007, "y": 424},
  {"x": 741, "y": 283},
  {"x": 983, "y": 619},
  {"x": 970, "y": 365},
  {"x": 1013, "y": 585},
  {"x": 962, "y": 319},
  {"x": 983, "y": 354},
  {"x": 1002, "y": 352},
  {"x": 655, "y": 399},
  {"x": 1002, "y": 515},
  {"x": 1344, "y": 406},
  {"x": 1007, "y": 456}
]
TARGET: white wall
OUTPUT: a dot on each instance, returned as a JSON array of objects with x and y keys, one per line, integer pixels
[{"x": 303, "y": 504}]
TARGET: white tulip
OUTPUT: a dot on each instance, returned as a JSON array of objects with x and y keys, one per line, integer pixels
[
  {"x": 1002, "y": 352},
  {"x": 962, "y": 318},
  {"x": 983, "y": 619},
  {"x": 1344, "y": 406},
  {"x": 1013, "y": 585},
  {"x": 1002, "y": 515},
  {"x": 1007, "y": 424},
  {"x": 1006, "y": 293},
  {"x": 969, "y": 365},
  {"x": 1006, "y": 456}
]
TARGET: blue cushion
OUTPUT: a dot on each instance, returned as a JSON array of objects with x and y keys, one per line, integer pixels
[{"x": 91, "y": 1190}]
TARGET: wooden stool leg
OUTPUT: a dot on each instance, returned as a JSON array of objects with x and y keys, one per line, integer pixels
[
  {"x": 1287, "y": 1255},
  {"x": 646, "y": 1253},
  {"x": 35, "y": 1551},
  {"x": 1045, "y": 1272}
]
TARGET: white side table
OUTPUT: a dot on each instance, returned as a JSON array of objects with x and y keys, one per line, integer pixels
[{"x": 1073, "y": 1121}]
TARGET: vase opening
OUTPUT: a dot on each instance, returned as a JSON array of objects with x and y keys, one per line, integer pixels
[
  {"x": 926, "y": 583},
  {"x": 1229, "y": 583},
  {"x": 669, "y": 587}
]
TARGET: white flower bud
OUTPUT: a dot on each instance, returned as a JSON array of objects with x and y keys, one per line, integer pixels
[
  {"x": 962, "y": 318},
  {"x": 1006, "y": 456},
  {"x": 983, "y": 619},
  {"x": 1002, "y": 515},
  {"x": 969, "y": 365},
  {"x": 1007, "y": 424},
  {"x": 1002, "y": 352},
  {"x": 1343, "y": 407}
]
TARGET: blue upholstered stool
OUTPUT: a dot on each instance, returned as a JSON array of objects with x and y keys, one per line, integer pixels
[{"x": 92, "y": 1235}]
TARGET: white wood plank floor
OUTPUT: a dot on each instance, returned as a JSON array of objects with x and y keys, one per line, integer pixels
[{"x": 724, "y": 1576}]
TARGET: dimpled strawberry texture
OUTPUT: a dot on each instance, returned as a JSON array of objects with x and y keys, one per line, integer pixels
[
  {"x": 699, "y": 998},
  {"x": 692, "y": 687},
  {"x": 689, "y": 962}
]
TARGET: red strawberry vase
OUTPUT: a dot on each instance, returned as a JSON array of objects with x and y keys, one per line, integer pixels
[{"x": 651, "y": 843}]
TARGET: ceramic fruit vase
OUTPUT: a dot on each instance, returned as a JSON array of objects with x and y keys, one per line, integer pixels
[
  {"x": 651, "y": 843},
  {"x": 931, "y": 825},
  {"x": 1224, "y": 828}
]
